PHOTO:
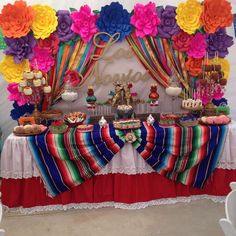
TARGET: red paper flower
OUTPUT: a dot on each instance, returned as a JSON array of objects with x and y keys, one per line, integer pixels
[
  {"x": 216, "y": 14},
  {"x": 194, "y": 66},
  {"x": 16, "y": 19},
  {"x": 182, "y": 41},
  {"x": 72, "y": 78},
  {"x": 51, "y": 43}
]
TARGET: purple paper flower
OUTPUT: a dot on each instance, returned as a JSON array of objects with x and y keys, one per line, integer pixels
[
  {"x": 20, "y": 48},
  {"x": 63, "y": 30},
  {"x": 168, "y": 26},
  {"x": 219, "y": 42}
]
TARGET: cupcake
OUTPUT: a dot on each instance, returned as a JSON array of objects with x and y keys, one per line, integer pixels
[
  {"x": 38, "y": 74},
  {"x": 28, "y": 75},
  {"x": 28, "y": 91},
  {"x": 22, "y": 83},
  {"x": 37, "y": 82},
  {"x": 47, "y": 89}
]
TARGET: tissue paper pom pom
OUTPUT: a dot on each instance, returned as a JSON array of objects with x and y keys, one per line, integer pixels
[
  {"x": 16, "y": 19},
  {"x": 84, "y": 23},
  {"x": 194, "y": 66},
  {"x": 216, "y": 14},
  {"x": 219, "y": 42},
  {"x": 188, "y": 16},
  {"x": 42, "y": 60},
  {"x": 145, "y": 20},
  {"x": 19, "y": 111},
  {"x": 11, "y": 71},
  {"x": 220, "y": 102},
  {"x": 14, "y": 94},
  {"x": 20, "y": 48},
  {"x": 181, "y": 41},
  {"x": 198, "y": 45},
  {"x": 45, "y": 21},
  {"x": 64, "y": 31},
  {"x": 114, "y": 19},
  {"x": 168, "y": 26},
  {"x": 225, "y": 66},
  {"x": 51, "y": 44}
]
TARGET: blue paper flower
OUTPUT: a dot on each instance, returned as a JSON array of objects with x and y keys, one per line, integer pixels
[
  {"x": 114, "y": 19},
  {"x": 220, "y": 102},
  {"x": 19, "y": 111}
]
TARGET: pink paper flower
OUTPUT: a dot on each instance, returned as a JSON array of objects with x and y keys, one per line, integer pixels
[
  {"x": 198, "y": 45},
  {"x": 15, "y": 95},
  {"x": 218, "y": 92},
  {"x": 84, "y": 23},
  {"x": 51, "y": 43},
  {"x": 42, "y": 60},
  {"x": 145, "y": 20}
]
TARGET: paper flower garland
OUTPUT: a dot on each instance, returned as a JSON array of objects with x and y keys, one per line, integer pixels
[
  {"x": 84, "y": 23},
  {"x": 216, "y": 14},
  {"x": 11, "y": 71},
  {"x": 45, "y": 21},
  {"x": 145, "y": 20},
  {"x": 219, "y": 43},
  {"x": 188, "y": 16},
  {"x": 15, "y": 95},
  {"x": 182, "y": 41},
  {"x": 168, "y": 26},
  {"x": 64, "y": 31},
  {"x": 20, "y": 48},
  {"x": 19, "y": 111},
  {"x": 16, "y": 19},
  {"x": 114, "y": 19},
  {"x": 198, "y": 46},
  {"x": 194, "y": 66},
  {"x": 51, "y": 44},
  {"x": 42, "y": 60},
  {"x": 225, "y": 66}
]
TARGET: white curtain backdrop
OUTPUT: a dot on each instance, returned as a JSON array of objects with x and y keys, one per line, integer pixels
[{"x": 7, "y": 124}]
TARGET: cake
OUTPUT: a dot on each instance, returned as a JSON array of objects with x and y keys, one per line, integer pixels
[
  {"x": 58, "y": 127},
  {"x": 37, "y": 82},
  {"x": 47, "y": 89},
  {"x": 28, "y": 91},
  {"x": 28, "y": 75}
]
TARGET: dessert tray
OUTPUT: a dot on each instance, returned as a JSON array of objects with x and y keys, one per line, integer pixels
[
  {"x": 29, "y": 131},
  {"x": 127, "y": 124},
  {"x": 51, "y": 114},
  {"x": 74, "y": 119},
  {"x": 85, "y": 128},
  {"x": 215, "y": 120}
]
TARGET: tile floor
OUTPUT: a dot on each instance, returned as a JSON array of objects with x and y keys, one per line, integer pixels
[{"x": 198, "y": 218}]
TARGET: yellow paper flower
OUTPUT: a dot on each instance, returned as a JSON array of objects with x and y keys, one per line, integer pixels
[
  {"x": 188, "y": 16},
  {"x": 45, "y": 21},
  {"x": 225, "y": 66},
  {"x": 11, "y": 71}
]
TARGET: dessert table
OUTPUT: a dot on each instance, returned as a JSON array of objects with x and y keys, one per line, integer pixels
[{"x": 127, "y": 181}]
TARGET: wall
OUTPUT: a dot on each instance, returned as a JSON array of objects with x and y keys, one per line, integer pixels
[{"x": 5, "y": 106}]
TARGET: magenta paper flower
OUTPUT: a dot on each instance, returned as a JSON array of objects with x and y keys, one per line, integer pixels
[
  {"x": 198, "y": 45},
  {"x": 51, "y": 43},
  {"x": 218, "y": 92},
  {"x": 42, "y": 60},
  {"x": 15, "y": 95},
  {"x": 145, "y": 20},
  {"x": 84, "y": 23}
]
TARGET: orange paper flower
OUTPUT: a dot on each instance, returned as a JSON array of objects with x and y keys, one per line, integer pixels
[
  {"x": 216, "y": 14},
  {"x": 194, "y": 66},
  {"x": 16, "y": 19}
]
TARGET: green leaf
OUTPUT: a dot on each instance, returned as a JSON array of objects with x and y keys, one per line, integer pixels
[
  {"x": 3, "y": 45},
  {"x": 96, "y": 12},
  {"x": 72, "y": 9}
]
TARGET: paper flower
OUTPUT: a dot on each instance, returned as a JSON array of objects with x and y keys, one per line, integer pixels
[
  {"x": 181, "y": 41},
  {"x": 220, "y": 102},
  {"x": 20, "y": 48},
  {"x": 188, "y": 16},
  {"x": 64, "y": 31},
  {"x": 16, "y": 19},
  {"x": 216, "y": 14},
  {"x": 218, "y": 92},
  {"x": 145, "y": 19},
  {"x": 51, "y": 44},
  {"x": 218, "y": 43},
  {"x": 45, "y": 21},
  {"x": 225, "y": 66},
  {"x": 114, "y": 19},
  {"x": 19, "y": 111},
  {"x": 42, "y": 60},
  {"x": 168, "y": 26},
  {"x": 72, "y": 78},
  {"x": 11, "y": 71},
  {"x": 15, "y": 95},
  {"x": 198, "y": 45},
  {"x": 194, "y": 66},
  {"x": 84, "y": 23}
]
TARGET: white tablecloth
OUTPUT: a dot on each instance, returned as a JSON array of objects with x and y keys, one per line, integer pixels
[{"x": 17, "y": 161}]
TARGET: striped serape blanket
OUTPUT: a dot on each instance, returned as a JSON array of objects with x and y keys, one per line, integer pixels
[
  {"x": 67, "y": 160},
  {"x": 185, "y": 154}
]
